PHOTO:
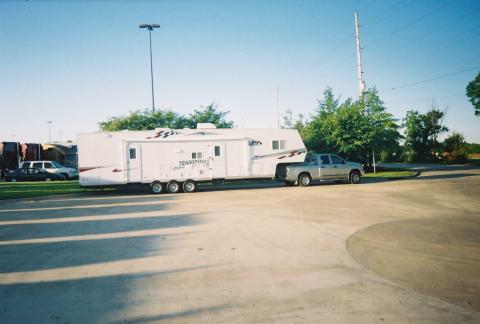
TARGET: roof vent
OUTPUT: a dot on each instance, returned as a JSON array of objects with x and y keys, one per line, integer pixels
[{"x": 206, "y": 126}]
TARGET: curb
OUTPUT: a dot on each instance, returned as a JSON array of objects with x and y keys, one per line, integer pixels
[
  {"x": 44, "y": 197},
  {"x": 417, "y": 173}
]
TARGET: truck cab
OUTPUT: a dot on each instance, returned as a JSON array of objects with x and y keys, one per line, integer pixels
[{"x": 322, "y": 167}]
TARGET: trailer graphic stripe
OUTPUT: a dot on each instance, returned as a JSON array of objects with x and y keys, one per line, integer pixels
[
  {"x": 290, "y": 155},
  {"x": 164, "y": 134}
]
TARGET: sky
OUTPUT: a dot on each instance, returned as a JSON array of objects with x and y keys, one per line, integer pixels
[{"x": 77, "y": 63}]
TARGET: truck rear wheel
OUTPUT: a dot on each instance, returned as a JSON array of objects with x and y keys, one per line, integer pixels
[
  {"x": 156, "y": 187},
  {"x": 304, "y": 179},
  {"x": 189, "y": 186},
  {"x": 173, "y": 187}
]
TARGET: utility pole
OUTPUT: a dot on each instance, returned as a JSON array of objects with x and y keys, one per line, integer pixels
[
  {"x": 49, "y": 122},
  {"x": 278, "y": 111},
  {"x": 361, "y": 83}
]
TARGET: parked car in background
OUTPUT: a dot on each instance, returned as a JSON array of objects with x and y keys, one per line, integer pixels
[
  {"x": 52, "y": 167},
  {"x": 31, "y": 174}
]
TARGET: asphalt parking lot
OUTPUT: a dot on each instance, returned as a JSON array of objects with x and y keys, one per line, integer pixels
[{"x": 398, "y": 251}]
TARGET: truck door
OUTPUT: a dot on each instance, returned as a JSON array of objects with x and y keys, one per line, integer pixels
[
  {"x": 339, "y": 167},
  {"x": 134, "y": 163},
  {"x": 326, "y": 170},
  {"x": 218, "y": 165}
]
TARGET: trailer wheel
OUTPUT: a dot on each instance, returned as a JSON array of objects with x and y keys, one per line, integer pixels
[
  {"x": 304, "y": 179},
  {"x": 189, "y": 186},
  {"x": 173, "y": 187},
  {"x": 156, "y": 187}
]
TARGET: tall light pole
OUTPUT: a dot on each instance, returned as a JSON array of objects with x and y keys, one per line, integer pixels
[
  {"x": 150, "y": 27},
  {"x": 49, "y": 122}
]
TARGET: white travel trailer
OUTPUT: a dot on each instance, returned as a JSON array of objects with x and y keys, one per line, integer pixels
[{"x": 170, "y": 160}]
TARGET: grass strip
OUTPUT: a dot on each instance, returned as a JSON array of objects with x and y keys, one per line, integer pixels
[{"x": 391, "y": 173}]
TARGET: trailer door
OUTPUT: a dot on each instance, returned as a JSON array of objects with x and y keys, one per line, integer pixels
[
  {"x": 134, "y": 163},
  {"x": 218, "y": 165}
]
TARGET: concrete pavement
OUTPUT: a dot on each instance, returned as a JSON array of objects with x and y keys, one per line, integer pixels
[{"x": 266, "y": 254}]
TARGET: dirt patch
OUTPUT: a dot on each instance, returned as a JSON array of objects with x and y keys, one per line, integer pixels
[{"x": 439, "y": 257}]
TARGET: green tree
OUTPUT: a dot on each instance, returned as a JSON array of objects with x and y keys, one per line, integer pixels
[
  {"x": 209, "y": 114},
  {"x": 351, "y": 128},
  {"x": 421, "y": 134},
  {"x": 455, "y": 148},
  {"x": 147, "y": 120},
  {"x": 289, "y": 122},
  {"x": 473, "y": 93}
]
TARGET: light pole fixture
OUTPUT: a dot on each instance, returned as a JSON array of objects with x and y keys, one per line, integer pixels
[{"x": 150, "y": 27}]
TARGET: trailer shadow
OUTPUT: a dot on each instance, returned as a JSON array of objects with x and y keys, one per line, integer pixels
[
  {"x": 87, "y": 271},
  {"x": 97, "y": 300},
  {"x": 85, "y": 206}
]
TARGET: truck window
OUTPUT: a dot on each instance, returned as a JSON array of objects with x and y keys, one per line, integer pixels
[
  {"x": 325, "y": 159},
  {"x": 48, "y": 165},
  {"x": 37, "y": 165},
  {"x": 336, "y": 159},
  {"x": 133, "y": 153},
  {"x": 217, "y": 150}
]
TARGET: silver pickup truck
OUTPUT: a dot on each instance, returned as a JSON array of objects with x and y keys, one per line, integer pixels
[{"x": 321, "y": 167}]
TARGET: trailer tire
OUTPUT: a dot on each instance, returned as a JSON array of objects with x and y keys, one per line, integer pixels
[
  {"x": 189, "y": 186},
  {"x": 173, "y": 187},
  {"x": 304, "y": 179},
  {"x": 156, "y": 187}
]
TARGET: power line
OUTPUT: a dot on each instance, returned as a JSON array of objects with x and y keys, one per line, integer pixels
[
  {"x": 427, "y": 99},
  {"x": 407, "y": 85},
  {"x": 391, "y": 11},
  {"x": 393, "y": 8},
  {"x": 448, "y": 22},
  {"x": 383, "y": 12},
  {"x": 408, "y": 25}
]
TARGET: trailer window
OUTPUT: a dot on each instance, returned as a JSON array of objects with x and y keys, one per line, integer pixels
[
  {"x": 278, "y": 144},
  {"x": 217, "y": 150},
  {"x": 133, "y": 153},
  {"x": 197, "y": 155}
]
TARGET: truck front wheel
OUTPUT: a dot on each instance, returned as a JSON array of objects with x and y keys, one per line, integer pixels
[
  {"x": 304, "y": 179},
  {"x": 354, "y": 177}
]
